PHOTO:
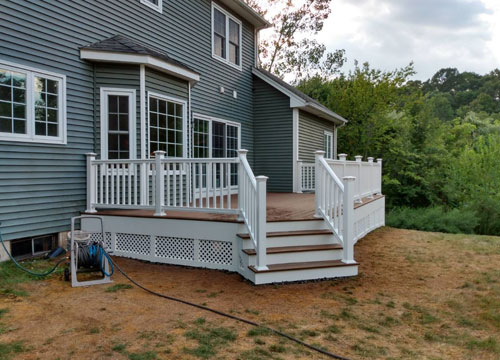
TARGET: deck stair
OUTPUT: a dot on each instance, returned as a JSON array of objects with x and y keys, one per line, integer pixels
[{"x": 308, "y": 252}]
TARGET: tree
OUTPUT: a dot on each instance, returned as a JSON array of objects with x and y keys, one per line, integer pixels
[{"x": 290, "y": 48}]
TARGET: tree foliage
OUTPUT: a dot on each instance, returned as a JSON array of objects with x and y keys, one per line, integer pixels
[
  {"x": 290, "y": 48},
  {"x": 440, "y": 141}
]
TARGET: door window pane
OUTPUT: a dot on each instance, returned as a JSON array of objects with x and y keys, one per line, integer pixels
[
  {"x": 13, "y": 115},
  {"x": 200, "y": 138}
]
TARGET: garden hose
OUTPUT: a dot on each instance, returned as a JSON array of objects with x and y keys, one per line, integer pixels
[
  {"x": 246, "y": 321},
  {"x": 46, "y": 273}
]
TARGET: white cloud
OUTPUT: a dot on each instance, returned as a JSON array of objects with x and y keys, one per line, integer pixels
[{"x": 432, "y": 33}]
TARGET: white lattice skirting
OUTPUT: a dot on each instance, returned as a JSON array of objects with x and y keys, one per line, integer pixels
[{"x": 180, "y": 242}]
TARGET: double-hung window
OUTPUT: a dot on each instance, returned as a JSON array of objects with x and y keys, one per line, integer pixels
[
  {"x": 118, "y": 122},
  {"x": 328, "y": 144},
  {"x": 226, "y": 37},
  {"x": 166, "y": 125},
  {"x": 32, "y": 105}
]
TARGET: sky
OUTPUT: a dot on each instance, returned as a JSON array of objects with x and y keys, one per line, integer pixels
[{"x": 389, "y": 34}]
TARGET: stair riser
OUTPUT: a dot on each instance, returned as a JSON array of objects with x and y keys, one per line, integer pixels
[
  {"x": 296, "y": 225},
  {"x": 294, "y": 241},
  {"x": 304, "y": 256},
  {"x": 309, "y": 274}
]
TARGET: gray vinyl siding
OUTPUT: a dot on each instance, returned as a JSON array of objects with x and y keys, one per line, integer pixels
[
  {"x": 311, "y": 135},
  {"x": 273, "y": 129},
  {"x": 43, "y": 186}
]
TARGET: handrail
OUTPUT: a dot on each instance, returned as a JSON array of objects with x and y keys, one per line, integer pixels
[
  {"x": 334, "y": 202},
  {"x": 252, "y": 204}
]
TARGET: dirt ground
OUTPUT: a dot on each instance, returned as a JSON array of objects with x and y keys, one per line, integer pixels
[{"x": 418, "y": 296}]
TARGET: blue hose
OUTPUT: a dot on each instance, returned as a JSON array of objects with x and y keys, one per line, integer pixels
[{"x": 46, "y": 273}]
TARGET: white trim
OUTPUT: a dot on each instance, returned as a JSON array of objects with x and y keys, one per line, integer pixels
[
  {"x": 151, "y": 61},
  {"x": 131, "y": 93},
  {"x": 30, "y": 135},
  {"x": 143, "y": 110},
  {"x": 295, "y": 149},
  {"x": 189, "y": 124},
  {"x": 184, "y": 119},
  {"x": 158, "y": 7},
  {"x": 228, "y": 16},
  {"x": 335, "y": 133}
]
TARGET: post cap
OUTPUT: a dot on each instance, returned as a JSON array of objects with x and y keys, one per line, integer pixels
[
  {"x": 349, "y": 178},
  {"x": 90, "y": 154},
  {"x": 358, "y": 158},
  {"x": 319, "y": 153},
  {"x": 261, "y": 178},
  {"x": 342, "y": 156},
  {"x": 159, "y": 153},
  {"x": 379, "y": 160},
  {"x": 242, "y": 151},
  {"x": 370, "y": 159}
]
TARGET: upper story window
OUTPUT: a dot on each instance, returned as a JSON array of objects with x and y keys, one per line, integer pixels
[
  {"x": 32, "y": 105},
  {"x": 226, "y": 37},
  {"x": 154, "y": 4}
]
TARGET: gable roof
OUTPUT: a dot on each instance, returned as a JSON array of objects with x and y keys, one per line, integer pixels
[
  {"x": 297, "y": 98},
  {"x": 241, "y": 8},
  {"x": 139, "y": 53}
]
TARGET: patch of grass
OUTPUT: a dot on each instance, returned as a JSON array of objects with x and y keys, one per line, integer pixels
[
  {"x": 251, "y": 311},
  {"x": 119, "y": 347},
  {"x": 9, "y": 350},
  {"x": 389, "y": 321},
  {"x": 94, "y": 331},
  {"x": 370, "y": 329},
  {"x": 391, "y": 304},
  {"x": 276, "y": 348},
  {"x": 3, "y": 312},
  {"x": 118, "y": 287},
  {"x": 259, "y": 341},
  {"x": 328, "y": 315},
  {"x": 309, "y": 333},
  {"x": 256, "y": 354},
  {"x": 148, "y": 355},
  {"x": 489, "y": 344},
  {"x": 259, "y": 331},
  {"x": 369, "y": 350},
  {"x": 347, "y": 315},
  {"x": 334, "y": 329},
  {"x": 209, "y": 340},
  {"x": 13, "y": 292},
  {"x": 148, "y": 335},
  {"x": 200, "y": 321}
]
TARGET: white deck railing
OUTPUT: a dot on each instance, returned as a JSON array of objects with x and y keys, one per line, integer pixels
[
  {"x": 334, "y": 202},
  {"x": 162, "y": 183},
  {"x": 252, "y": 203},
  {"x": 368, "y": 175}
]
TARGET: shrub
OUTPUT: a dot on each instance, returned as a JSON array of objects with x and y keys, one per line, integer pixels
[{"x": 435, "y": 219}]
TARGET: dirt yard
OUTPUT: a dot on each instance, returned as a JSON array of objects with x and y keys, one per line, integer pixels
[{"x": 418, "y": 296}]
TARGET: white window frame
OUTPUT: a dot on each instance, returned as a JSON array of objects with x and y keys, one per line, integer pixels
[
  {"x": 184, "y": 121},
  {"x": 158, "y": 7},
  {"x": 226, "y": 59},
  {"x": 210, "y": 120},
  {"x": 132, "y": 103},
  {"x": 330, "y": 135},
  {"x": 30, "y": 136}
]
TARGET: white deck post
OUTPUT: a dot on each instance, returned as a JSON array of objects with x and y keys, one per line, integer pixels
[
  {"x": 318, "y": 186},
  {"x": 91, "y": 183},
  {"x": 359, "y": 159},
  {"x": 372, "y": 191},
  {"x": 160, "y": 183},
  {"x": 379, "y": 163},
  {"x": 242, "y": 154},
  {"x": 261, "y": 222},
  {"x": 348, "y": 235}
]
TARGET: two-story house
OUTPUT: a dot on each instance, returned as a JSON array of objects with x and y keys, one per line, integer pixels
[{"x": 139, "y": 110}]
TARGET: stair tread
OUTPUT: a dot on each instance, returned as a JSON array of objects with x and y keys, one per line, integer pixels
[
  {"x": 301, "y": 266},
  {"x": 291, "y": 233},
  {"x": 289, "y": 249}
]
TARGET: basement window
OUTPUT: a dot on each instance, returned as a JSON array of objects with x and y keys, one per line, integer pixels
[
  {"x": 34, "y": 246},
  {"x": 154, "y": 4}
]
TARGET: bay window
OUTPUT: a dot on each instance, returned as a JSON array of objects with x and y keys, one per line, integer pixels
[{"x": 32, "y": 105}]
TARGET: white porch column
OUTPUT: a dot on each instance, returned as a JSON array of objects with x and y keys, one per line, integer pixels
[
  {"x": 91, "y": 183},
  {"x": 159, "y": 183},
  {"x": 261, "y": 222},
  {"x": 319, "y": 190},
  {"x": 348, "y": 235}
]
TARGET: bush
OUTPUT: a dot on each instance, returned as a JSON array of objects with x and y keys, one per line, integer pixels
[{"x": 436, "y": 219}]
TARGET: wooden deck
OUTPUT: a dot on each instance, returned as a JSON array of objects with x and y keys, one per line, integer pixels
[{"x": 280, "y": 207}]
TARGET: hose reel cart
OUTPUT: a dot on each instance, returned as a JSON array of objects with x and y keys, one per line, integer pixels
[{"x": 88, "y": 253}]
